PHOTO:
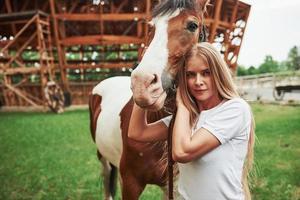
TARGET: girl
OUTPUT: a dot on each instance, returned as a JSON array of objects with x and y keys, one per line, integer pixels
[{"x": 213, "y": 134}]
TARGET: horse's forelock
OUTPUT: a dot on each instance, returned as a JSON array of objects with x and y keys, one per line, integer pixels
[{"x": 170, "y": 6}]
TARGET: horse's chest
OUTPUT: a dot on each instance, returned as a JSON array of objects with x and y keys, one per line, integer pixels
[{"x": 108, "y": 135}]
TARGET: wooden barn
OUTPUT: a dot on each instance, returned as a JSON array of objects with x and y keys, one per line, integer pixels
[{"x": 77, "y": 43}]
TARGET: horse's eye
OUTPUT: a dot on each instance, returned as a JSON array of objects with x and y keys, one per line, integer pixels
[{"x": 192, "y": 26}]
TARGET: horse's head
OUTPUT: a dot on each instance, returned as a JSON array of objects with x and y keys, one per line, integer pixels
[{"x": 177, "y": 25}]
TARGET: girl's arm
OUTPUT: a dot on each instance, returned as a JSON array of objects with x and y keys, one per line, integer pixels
[
  {"x": 186, "y": 147},
  {"x": 140, "y": 130}
]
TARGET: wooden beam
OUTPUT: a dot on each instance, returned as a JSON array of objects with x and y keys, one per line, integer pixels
[
  {"x": 101, "y": 22},
  {"x": 24, "y": 5},
  {"x": 19, "y": 33},
  {"x": 97, "y": 17},
  {"x": 41, "y": 47},
  {"x": 211, "y": 22},
  {"x": 15, "y": 22},
  {"x": 9, "y": 10},
  {"x": 24, "y": 80},
  {"x": 20, "y": 50},
  {"x": 139, "y": 29},
  {"x": 20, "y": 70},
  {"x": 148, "y": 9},
  {"x": 103, "y": 65},
  {"x": 2, "y": 10},
  {"x": 124, "y": 2},
  {"x": 118, "y": 60},
  {"x": 45, "y": 5},
  {"x": 36, "y": 99},
  {"x": 26, "y": 61},
  {"x": 20, "y": 94},
  {"x": 74, "y": 4},
  {"x": 230, "y": 29},
  {"x": 100, "y": 39},
  {"x": 34, "y": 49},
  {"x": 217, "y": 12},
  {"x": 21, "y": 64},
  {"x": 60, "y": 52},
  {"x": 112, "y": 7},
  {"x": 58, "y": 6},
  {"x": 30, "y": 96},
  {"x": 103, "y": 50},
  {"x": 4, "y": 43},
  {"x": 224, "y": 25},
  {"x": 146, "y": 26}
]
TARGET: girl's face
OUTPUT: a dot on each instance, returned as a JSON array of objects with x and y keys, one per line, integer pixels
[{"x": 200, "y": 82}]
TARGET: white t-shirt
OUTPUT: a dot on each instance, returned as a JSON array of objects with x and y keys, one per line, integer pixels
[{"x": 217, "y": 175}]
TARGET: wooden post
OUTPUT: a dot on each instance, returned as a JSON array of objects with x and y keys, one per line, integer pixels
[
  {"x": 25, "y": 4},
  {"x": 20, "y": 50},
  {"x": 216, "y": 21},
  {"x": 9, "y": 10},
  {"x": 60, "y": 52},
  {"x": 18, "y": 34},
  {"x": 40, "y": 41},
  {"x": 146, "y": 29},
  {"x": 124, "y": 2},
  {"x": 74, "y": 4},
  {"x": 148, "y": 16},
  {"x": 20, "y": 94},
  {"x": 227, "y": 42},
  {"x": 100, "y": 20},
  {"x": 245, "y": 19}
]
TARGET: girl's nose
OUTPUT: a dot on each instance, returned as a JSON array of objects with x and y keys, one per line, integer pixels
[{"x": 199, "y": 80}]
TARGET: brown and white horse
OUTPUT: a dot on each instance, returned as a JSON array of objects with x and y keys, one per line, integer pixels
[{"x": 177, "y": 25}]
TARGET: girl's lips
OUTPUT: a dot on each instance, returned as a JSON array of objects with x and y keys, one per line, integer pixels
[{"x": 200, "y": 91}]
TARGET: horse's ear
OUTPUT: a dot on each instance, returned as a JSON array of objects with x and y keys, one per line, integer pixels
[{"x": 203, "y": 4}]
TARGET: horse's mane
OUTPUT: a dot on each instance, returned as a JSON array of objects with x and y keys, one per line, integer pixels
[{"x": 170, "y": 6}]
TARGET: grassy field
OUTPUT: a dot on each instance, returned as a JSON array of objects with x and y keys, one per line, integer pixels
[{"x": 49, "y": 156}]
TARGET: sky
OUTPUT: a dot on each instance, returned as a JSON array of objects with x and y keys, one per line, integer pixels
[{"x": 273, "y": 28}]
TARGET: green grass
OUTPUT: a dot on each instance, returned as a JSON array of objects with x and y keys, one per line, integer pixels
[
  {"x": 277, "y": 152},
  {"x": 49, "y": 156}
]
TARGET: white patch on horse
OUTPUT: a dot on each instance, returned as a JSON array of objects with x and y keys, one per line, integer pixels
[
  {"x": 115, "y": 93},
  {"x": 156, "y": 56}
]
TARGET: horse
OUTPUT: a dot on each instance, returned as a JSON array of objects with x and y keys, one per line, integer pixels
[{"x": 177, "y": 26}]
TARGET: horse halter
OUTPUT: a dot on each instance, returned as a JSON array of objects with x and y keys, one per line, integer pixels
[{"x": 203, "y": 36}]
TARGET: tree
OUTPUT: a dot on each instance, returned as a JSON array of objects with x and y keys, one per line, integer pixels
[
  {"x": 269, "y": 65},
  {"x": 241, "y": 71},
  {"x": 252, "y": 70},
  {"x": 283, "y": 66},
  {"x": 293, "y": 61}
]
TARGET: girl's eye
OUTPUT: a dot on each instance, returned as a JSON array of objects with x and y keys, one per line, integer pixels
[
  {"x": 206, "y": 73},
  {"x": 190, "y": 74}
]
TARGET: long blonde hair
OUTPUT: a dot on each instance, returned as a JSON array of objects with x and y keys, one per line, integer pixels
[{"x": 223, "y": 81}]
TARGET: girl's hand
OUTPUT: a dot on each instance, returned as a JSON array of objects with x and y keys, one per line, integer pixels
[
  {"x": 178, "y": 98},
  {"x": 179, "y": 102}
]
